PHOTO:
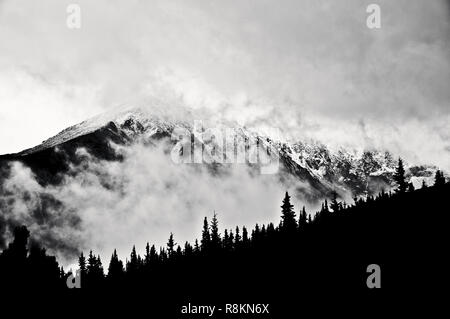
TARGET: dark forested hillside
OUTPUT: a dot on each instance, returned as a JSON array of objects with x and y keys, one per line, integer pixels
[{"x": 401, "y": 232}]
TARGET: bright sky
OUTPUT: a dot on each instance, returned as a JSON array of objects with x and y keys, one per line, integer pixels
[{"x": 311, "y": 67}]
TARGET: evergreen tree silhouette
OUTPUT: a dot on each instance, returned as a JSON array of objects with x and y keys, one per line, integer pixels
[
  {"x": 147, "y": 255},
  {"x": 153, "y": 256},
  {"x": 171, "y": 246},
  {"x": 95, "y": 273},
  {"x": 226, "y": 241},
  {"x": 132, "y": 265},
  {"x": 255, "y": 234},
  {"x": 90, "y": 278},
  {"x": 188, "y": 250},
  {"x": 399, "y": 177},
  {"x": 215, "y": 236},
  {"x": 288, "y": 215},
  {"x": 82, "y": 266},
  {"x": 178, "y": 253},
  {"x": 237, "y": 238},
  {"x": 206, "y": 237},
  {"x": 115, "y": 269},
  {"x": 196, "y": 247}
]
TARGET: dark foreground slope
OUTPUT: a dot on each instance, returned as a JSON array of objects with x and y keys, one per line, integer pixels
[{"x": 325, "y": 258}]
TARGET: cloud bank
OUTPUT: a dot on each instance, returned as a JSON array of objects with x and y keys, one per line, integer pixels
[{"x": 104, "y": 205}]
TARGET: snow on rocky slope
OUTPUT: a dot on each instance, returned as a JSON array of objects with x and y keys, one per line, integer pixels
[{"x": 313, "y": 163}]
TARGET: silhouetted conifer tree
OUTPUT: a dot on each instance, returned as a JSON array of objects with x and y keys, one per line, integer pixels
[
  {"x": 92, "y": 261},
  {"x": 171, "y": 246},
  {"x": 399, "y": 177},
  {"x": 153, "y": 256},
  {"x": 147, "y": 255},
  {"x": 255, "y": 234},
  {"x": 288, "y": 215},
  {"x": 82, "y": 266},
  {"x": 226, "y": 239},
  {"x": 196, "y": 247},
  {"x": 188, "y": 250},
  {"x": 215, "y": 243},
  {"x": 178, "y": 253},
  {"x": 99, "y": 268},
  {"x": 237, "y": 238},
  {"x": 206, "y": 237},
  {"x": 132, "y": 265},
  {"x": 115, "y": 269},
  {"x": 95, "y": 272}
]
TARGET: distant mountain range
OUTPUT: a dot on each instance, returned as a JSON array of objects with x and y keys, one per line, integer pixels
[{"x": 310, "y": 167}]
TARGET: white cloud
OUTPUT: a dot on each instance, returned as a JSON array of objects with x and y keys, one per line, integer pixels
[{"x": 108, "y": 205}]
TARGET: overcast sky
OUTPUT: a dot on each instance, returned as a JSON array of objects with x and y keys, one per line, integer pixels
[{"x": 311, "y": 67}]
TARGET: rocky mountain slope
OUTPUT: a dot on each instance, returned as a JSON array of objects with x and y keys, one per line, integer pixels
[{"x": 313, "y": 169}]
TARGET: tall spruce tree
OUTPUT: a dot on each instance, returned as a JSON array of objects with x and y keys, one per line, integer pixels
[
  {"x": 399, "y": 177},
  {"x": 237, "y": 238},
  {"x": 153, "y": 256},
  {"x": 215, "y": 236},
  {"x": 226, "y": 239},
  {"x": 206, "y": 236},
  {"x": 82, "y": 266},
  {"x": 147, "y": 255},
  {"x": 115, "y": 269},
  {"x": 196, "y": 247},
  {"x": 171, "y": 246},
  {"x": 133, "y": 264},
  {"x": 288, "y": 215}
]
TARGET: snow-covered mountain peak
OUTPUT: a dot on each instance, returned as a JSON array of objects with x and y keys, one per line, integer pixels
[{"x": 349, "y": 169}]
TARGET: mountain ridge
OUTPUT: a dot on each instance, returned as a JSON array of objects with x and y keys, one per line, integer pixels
[{"x": 342, "y": 170}]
